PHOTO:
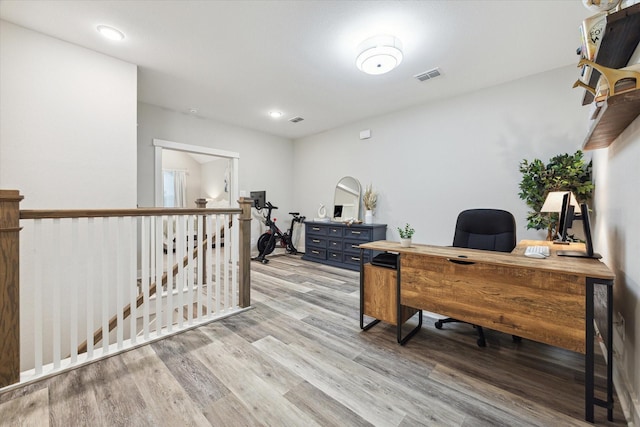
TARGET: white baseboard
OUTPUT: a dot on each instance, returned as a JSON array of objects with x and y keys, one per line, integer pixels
[{"x": 627, "y": 399}]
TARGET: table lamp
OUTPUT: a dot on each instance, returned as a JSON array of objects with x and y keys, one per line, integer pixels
[{"x": 553, "y": 203}]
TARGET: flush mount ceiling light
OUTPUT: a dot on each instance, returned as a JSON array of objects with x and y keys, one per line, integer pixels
[
  {"x": 275, "y": 114},
  {"x": 379, "y": 55},
  {"x": 110, "y": 32}
]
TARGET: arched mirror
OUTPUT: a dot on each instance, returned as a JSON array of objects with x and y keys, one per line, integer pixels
[{"x": 346, "y": 202}]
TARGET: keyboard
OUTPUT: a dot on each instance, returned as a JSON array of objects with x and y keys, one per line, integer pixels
[{"x": 536, "y": 251}]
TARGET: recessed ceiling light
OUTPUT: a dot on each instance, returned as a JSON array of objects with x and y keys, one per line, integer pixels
[
  {"x": 110, "y": 32},
  {"x": 379, "y": 55},
  {"x": 193, "y": 110},
  {"x": 275, "y": 114}
]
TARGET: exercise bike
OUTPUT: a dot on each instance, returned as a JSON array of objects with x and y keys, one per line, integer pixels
[{"x": 268, "y": 240}]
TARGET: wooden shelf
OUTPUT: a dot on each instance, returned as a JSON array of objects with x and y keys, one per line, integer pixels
[
  {"x": 616, "y": 113},
  {"x": 620, "y": 39}
]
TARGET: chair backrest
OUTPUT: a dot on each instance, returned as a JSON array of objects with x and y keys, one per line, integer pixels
[{"x": 488, "y": 229}]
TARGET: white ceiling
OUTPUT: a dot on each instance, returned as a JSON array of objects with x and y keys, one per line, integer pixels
[{"x": 235, "y": 61}]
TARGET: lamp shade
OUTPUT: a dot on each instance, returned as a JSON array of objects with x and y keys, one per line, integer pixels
[
  {"x": 553, "y": 202},
  {"x": 379, "y": 55}
]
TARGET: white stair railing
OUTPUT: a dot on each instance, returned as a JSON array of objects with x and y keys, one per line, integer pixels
[{"x": 94, "y": 283}]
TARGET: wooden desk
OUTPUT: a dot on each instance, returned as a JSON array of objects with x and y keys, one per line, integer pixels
[{"x": 547, "y": 300}]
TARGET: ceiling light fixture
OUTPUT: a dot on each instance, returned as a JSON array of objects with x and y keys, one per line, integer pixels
[
  {"x": 275, "y": 114},
  {"x": 110, "y": 32},
  {"x": 379, "y": 55}
]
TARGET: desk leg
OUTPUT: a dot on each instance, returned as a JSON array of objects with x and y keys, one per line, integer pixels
[
  {"x": 590, "y": 400},
  {"x": 589, "y": 357},
  {"x": 610, "y": 352},
  {"x": 403, "y": 341},
  {"x": 376, "y": 321}
]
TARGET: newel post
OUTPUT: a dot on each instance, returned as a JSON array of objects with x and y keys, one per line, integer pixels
[
  {"x": 9, "y": 287},
  {"x": 245, "y": 252}
]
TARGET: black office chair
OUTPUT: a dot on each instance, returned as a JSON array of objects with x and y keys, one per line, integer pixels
[{"x": 487, "y": 229}]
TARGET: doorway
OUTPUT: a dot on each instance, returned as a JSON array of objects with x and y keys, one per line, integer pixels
[{"x": 194, "y": 172}]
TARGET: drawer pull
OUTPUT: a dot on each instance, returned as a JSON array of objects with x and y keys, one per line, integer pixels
[
  {"x": 460, "y": 262},
  {"x": 356, "y": 232},
  {"x": 334, "y": 244},
  {"x": 315, "y": 252},
  {"x": 315, "y": 228},
  {"x": 334, "y": 255},
  {"x": 354, "y": 246},
  {"x": 353, "y": 258},
  {"x": 315, "y": 240}
]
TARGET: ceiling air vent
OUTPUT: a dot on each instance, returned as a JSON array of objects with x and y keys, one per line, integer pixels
[
  {"x": 428, "y": 75},
  {"x": 296, "y": 119}
]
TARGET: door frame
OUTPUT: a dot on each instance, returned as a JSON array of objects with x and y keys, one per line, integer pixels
[{"x": 161, "y": 144}]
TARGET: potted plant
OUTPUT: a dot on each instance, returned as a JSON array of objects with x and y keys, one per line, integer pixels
[
  {"x": 370, "y": 199},
  {"x": 563, "y": 172},
  {"x": 405, "y": 235}
]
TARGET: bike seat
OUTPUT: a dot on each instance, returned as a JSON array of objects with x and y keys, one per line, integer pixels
[{"x": 294, "y": 213}]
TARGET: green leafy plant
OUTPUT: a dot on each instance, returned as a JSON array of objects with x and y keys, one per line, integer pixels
[
  {"x": 370, "y": 198},
  {"x": 564, "y": 172},
  {"x": 406, "y": 232}
]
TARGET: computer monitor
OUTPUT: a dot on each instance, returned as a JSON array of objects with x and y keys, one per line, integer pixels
[
  {"x": 259, "y": 199},
  {"x": 566, "y": 218},
  {"x": 586, "y": 226}
]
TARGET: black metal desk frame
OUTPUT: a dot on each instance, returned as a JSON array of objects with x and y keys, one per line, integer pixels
[{"x": 590, "y": 399}]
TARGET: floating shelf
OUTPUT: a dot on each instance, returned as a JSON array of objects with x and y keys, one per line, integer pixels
[
  {"x": 615, "y": 115},
  {"x": 620, "y": 39}
]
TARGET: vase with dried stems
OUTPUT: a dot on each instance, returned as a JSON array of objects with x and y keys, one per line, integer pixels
[{"x": 370, "y": 200}]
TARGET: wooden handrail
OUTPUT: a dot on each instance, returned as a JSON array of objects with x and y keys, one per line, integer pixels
[{"x": 105, "y": 213}]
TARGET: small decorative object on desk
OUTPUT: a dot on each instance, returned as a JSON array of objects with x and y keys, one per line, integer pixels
[
  {"x": 405, "y": 235},
  {"x": 370, "y": 199}
]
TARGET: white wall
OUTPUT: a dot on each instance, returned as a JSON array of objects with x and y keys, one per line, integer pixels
[
  {"x": 67, "y": 123},
  {"x": 265, "y": 160},
  {"x": 214, "y": 174},
  {"x": 617, "y": 238},
  {"x": 432, "y": 161},
  {"x": 67, "y": 141}
]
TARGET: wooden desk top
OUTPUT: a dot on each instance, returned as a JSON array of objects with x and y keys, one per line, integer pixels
[{"x": 580, "y": 266}]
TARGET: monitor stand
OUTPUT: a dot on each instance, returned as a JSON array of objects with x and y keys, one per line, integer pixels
[{"x": 578, "y": 254}]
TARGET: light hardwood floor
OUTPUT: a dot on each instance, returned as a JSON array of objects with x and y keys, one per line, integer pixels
[{"x": 299, "y": 358}]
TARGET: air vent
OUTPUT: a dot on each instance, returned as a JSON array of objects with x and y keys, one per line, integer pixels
[
  {"x": 296, "y": 119},
  {"x": 428, "y": 75}
]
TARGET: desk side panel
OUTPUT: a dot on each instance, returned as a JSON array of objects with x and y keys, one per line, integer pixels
[
  {"x": 534, "y": 304},
  {"x": 380, "y": 295}
]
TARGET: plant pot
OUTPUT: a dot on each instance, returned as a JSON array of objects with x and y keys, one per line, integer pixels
[
  {"x": 405, "y": 243},
  {"x": 368, "y": 217}
]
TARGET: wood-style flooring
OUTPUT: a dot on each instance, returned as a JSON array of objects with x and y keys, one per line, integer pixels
[{"x": 299, "y": 358}]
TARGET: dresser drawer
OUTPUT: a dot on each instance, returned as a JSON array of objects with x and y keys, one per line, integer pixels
[
  {"x": 363, "y": 234},
  {"x": 354, "y": 259},
  {"x": 334, "y": 231},
  {"x": 335, "y": 245},
  {"x": 335, "y": 256},
  {"x": 351, "y": 246},
  {"x": 317, "y": 253},
  {"x": 316, "y": 241},
  {"x": 317, "y": 230}
]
